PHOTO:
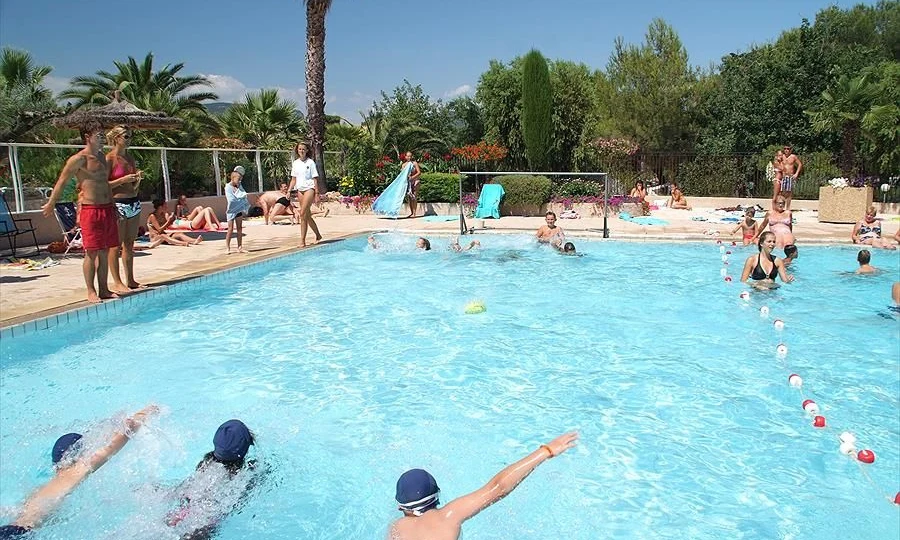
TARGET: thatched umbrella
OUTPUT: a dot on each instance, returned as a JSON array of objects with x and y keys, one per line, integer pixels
[{"x": 117, "y": 113}]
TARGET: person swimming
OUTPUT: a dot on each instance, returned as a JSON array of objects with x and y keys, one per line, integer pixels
[
  {"x": 755, "y": 270},
  {"x": 220, "y": 484}
]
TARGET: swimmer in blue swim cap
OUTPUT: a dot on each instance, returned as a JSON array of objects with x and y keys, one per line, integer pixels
[
  {"x": 70, "y": 469},
  {"x": 418, "y": 496}
]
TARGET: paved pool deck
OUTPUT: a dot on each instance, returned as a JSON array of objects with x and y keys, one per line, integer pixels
[{"x": 27, "y": 295}]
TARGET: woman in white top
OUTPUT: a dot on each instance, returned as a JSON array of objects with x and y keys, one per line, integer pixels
[
  {"x": 238, "y": 205},
  {"x": 304, "y": 178}
]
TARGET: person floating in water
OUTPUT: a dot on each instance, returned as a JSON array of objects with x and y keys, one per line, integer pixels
[
  {"x": 421, "y": 243},
  {"x": 418, "y": 496},
  {"x": 71, "y": 468},
  {"x": 214, "y": 491},
  {"x": 458, "y": 248},
  {"x": 566, "y": 249}
]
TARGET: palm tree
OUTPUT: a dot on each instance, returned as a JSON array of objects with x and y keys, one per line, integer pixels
[
  {"x": 163, "y": 90},
  {"x": 843, "y": 109},
  {"x": 389, "y": 135},
  {"x": 24, "y": 101},
  {"x": 342, "y": 137},
  {"x": 315, "y": 81},
  {"x": 264, "y": 120}
]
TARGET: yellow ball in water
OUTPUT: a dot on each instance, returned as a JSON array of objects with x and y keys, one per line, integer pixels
[{"x": 475, "y": 307}]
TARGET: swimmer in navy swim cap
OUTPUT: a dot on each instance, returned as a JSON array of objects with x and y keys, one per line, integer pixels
[
  {"x": 418, "y": 496},
  {"x": 70, "y": 468}
]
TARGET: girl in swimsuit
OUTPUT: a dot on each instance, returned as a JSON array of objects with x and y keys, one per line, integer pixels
[
  {"x": 639, "y": 193},
  {"x": 868, "y": 231},
  {"x": 779, "y": 221},
  {"x": 748, "y": 225},
  {"x": 124, "y": 180},
  {"x": 198, "y": 218},
  {"x": 763, "y": 268},
  {"x": 159, "y": 221}
]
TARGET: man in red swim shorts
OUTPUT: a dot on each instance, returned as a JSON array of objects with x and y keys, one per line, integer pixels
[{"x": 98, "y": 217}]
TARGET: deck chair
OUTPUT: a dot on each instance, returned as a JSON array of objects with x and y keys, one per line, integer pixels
[
  {"x": 67, "y": 217},
  {"x": 489, "y": 201},
  {"x": 10, "y": 229}
]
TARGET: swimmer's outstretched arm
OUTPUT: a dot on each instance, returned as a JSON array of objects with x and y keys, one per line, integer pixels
[
  {"x": 501, "y": 485},
  {"x": 120, "y": 439}
]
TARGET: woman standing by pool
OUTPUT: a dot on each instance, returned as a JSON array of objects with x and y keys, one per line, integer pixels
[
  {"x": 780, "y": 223},
  {"x": 304, "y": 178},
  {"x": 124, "y": 180},
  {"x": 763, "y": 268},
  {"x": 412, "y": 183}
]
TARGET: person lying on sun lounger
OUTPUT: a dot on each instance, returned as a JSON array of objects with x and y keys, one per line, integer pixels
[{"x": 159, "y": 221}]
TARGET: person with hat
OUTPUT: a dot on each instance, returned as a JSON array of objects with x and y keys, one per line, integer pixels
[
  {"x": 203, "y": 500},
  {"x": 70, "y": 469},
  {"x": 418, "y": 496},
  {"x": 238, "y": 206}
]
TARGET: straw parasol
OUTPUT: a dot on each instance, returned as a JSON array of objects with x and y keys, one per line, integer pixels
[{"x": 117, "y": 113}]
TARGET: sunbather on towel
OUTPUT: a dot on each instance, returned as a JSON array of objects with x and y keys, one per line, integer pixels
[
  {"x": 550, "y": 233},
  {"x": 678, "y": 200},
  {"x": 159, "y": 221}
]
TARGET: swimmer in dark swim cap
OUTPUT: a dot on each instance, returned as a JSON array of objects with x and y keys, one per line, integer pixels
[
  {"x": 418, "y": 496},
  {"x": 70, "y": 469}
]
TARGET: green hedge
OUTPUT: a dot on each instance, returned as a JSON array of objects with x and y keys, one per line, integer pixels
[
  {"x": 523, "y": 189},
  {"x": 438, "y": 187}
]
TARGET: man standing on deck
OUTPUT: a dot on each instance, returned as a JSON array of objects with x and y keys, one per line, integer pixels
[
  {"x": 790, "y": 171},
  {"x": 97, "y": 213}
]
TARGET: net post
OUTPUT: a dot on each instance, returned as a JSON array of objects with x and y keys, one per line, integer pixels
[
  {"x": 605, "y": 204},
  {"x": 462, "y": 217}
]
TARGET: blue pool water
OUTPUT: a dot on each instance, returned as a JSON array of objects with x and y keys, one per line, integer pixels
[{"x": 352, "y": 366}]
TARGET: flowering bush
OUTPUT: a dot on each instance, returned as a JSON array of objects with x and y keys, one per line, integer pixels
[
  {"x": 469, "y": 203},
  {"x": 362, "y": 203},
  {"x": 481, "y": 152},
  {"x": 615, "y": 202},
  {"x": 613, "y": 146}
]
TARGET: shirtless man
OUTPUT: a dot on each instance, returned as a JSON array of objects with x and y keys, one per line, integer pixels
[
  {"x": 550, "y": 233},
  {"x": 97, "y": 213},
  {"x": 790, "y": 170},
  {"x": 277, "y": 203},
  {"x": 418, "y": 494},
  {"x": 70, "y": 469}
]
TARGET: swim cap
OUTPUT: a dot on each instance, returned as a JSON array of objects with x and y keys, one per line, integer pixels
[
  {"x": 417, "y": 491},
  {"x": 63, "y": 445},
  {"x": 240, "y": 170},
  {"x": 232, "y": 440}
]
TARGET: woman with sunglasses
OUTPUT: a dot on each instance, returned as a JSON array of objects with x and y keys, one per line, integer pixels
[{"x": 124, "y": 181}]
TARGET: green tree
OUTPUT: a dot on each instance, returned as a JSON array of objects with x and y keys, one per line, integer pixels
[
  {"x": 390, "y": 135},
  {"x": 574, "y": 111},
  {"x": 264, "y": 120},
  {"x": 648, "y": 89},
  {"x": 842, "y": 109},
  {"x": 499, "y": 92},
  {"x": 163, "y": 90},
  {"x": 316, "y": 10},
  {"x": 25, "y": 104},
  {"x": 537, "y": 99}
]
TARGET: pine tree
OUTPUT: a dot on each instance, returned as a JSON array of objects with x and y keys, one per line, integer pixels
[{"x": 536, "y": 115}]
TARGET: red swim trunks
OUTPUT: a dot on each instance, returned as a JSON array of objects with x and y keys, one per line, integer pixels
[{"x": 99, "y": 226}]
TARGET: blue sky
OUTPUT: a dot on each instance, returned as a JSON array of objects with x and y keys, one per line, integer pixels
[{"x": 372, "y": 45}]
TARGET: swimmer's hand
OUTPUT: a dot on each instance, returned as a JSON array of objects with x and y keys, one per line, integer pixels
[
  {"x": 562, "y": 443},
  {"x": 138, "y": 419},
  {"x": 788, "y": 278}
]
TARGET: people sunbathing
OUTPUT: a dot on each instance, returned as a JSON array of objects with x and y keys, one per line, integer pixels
[
  {"x": 198, "y": 218},
  {"x": 159, "y": 221}
]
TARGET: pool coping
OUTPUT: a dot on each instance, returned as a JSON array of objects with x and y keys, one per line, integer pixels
[{"x": 82, "y": 309}]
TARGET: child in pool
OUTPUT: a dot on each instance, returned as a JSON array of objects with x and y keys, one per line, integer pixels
[{"x": 748, "y": 226}]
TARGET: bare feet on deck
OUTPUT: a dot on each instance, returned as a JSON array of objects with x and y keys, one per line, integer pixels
[
  {"x": 120, "y": 288},
  {"x": 93, "y": 298},
  {"x": 198, "y": 240},
  {"x": 108, "y": 295},
  {"x": 136, "y": 286}
]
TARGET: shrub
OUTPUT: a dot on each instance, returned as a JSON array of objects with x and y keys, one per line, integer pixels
[
  {"x": 716, "y": 176},
  {"x": 523, "y": 189},
  {"x": 578, "y": 187},
  {"x": 439, "y": 187}
]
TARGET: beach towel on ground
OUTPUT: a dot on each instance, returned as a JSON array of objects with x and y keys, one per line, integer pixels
[
  {"x": 441, "y": 218},
  {"x": 391, "y": 199},
  {"x": 642, "y": 220},
  {"x": 489, "y": 201}
]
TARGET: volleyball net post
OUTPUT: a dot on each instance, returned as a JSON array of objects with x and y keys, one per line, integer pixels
[{"x": 552, "y": 175}]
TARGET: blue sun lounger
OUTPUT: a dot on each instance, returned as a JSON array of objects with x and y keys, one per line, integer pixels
[{"x": 489, "y": 201}]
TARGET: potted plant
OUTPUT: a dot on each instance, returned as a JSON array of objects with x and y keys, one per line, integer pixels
[{"x": 845, "y": 201}]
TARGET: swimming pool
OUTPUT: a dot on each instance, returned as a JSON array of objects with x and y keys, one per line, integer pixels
[{"x": 352, "y": 366}]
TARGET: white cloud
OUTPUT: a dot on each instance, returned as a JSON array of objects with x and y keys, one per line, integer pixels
[
  {"x": 56, "y": 84},
  {"x": 360, "y": 97},
  {"x": 227, "y": 87},
  {"x": 458, "y": 91}
]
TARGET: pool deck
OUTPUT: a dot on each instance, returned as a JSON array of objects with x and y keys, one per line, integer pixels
[{"x": 27, "y": 295}]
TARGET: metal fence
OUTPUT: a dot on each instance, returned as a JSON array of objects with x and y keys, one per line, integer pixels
[
  {"x": 700, "y": 175},
  {"x": 28, "y": 172}
]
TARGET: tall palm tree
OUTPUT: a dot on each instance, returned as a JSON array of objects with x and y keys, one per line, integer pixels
[
  {"x": 315, "y": 81},
  {"x": 843, "y": 109},
  {"x": 24, "y": 101},
  {"x": 163, "y": 90}
]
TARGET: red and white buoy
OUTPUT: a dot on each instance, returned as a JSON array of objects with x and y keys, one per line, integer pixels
[
  {"x": 819, "y": 421},
  {"x": 795, "y": 380},
  {"x": 866, "y": 456},
  {"x": 810, "y": 406}
]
